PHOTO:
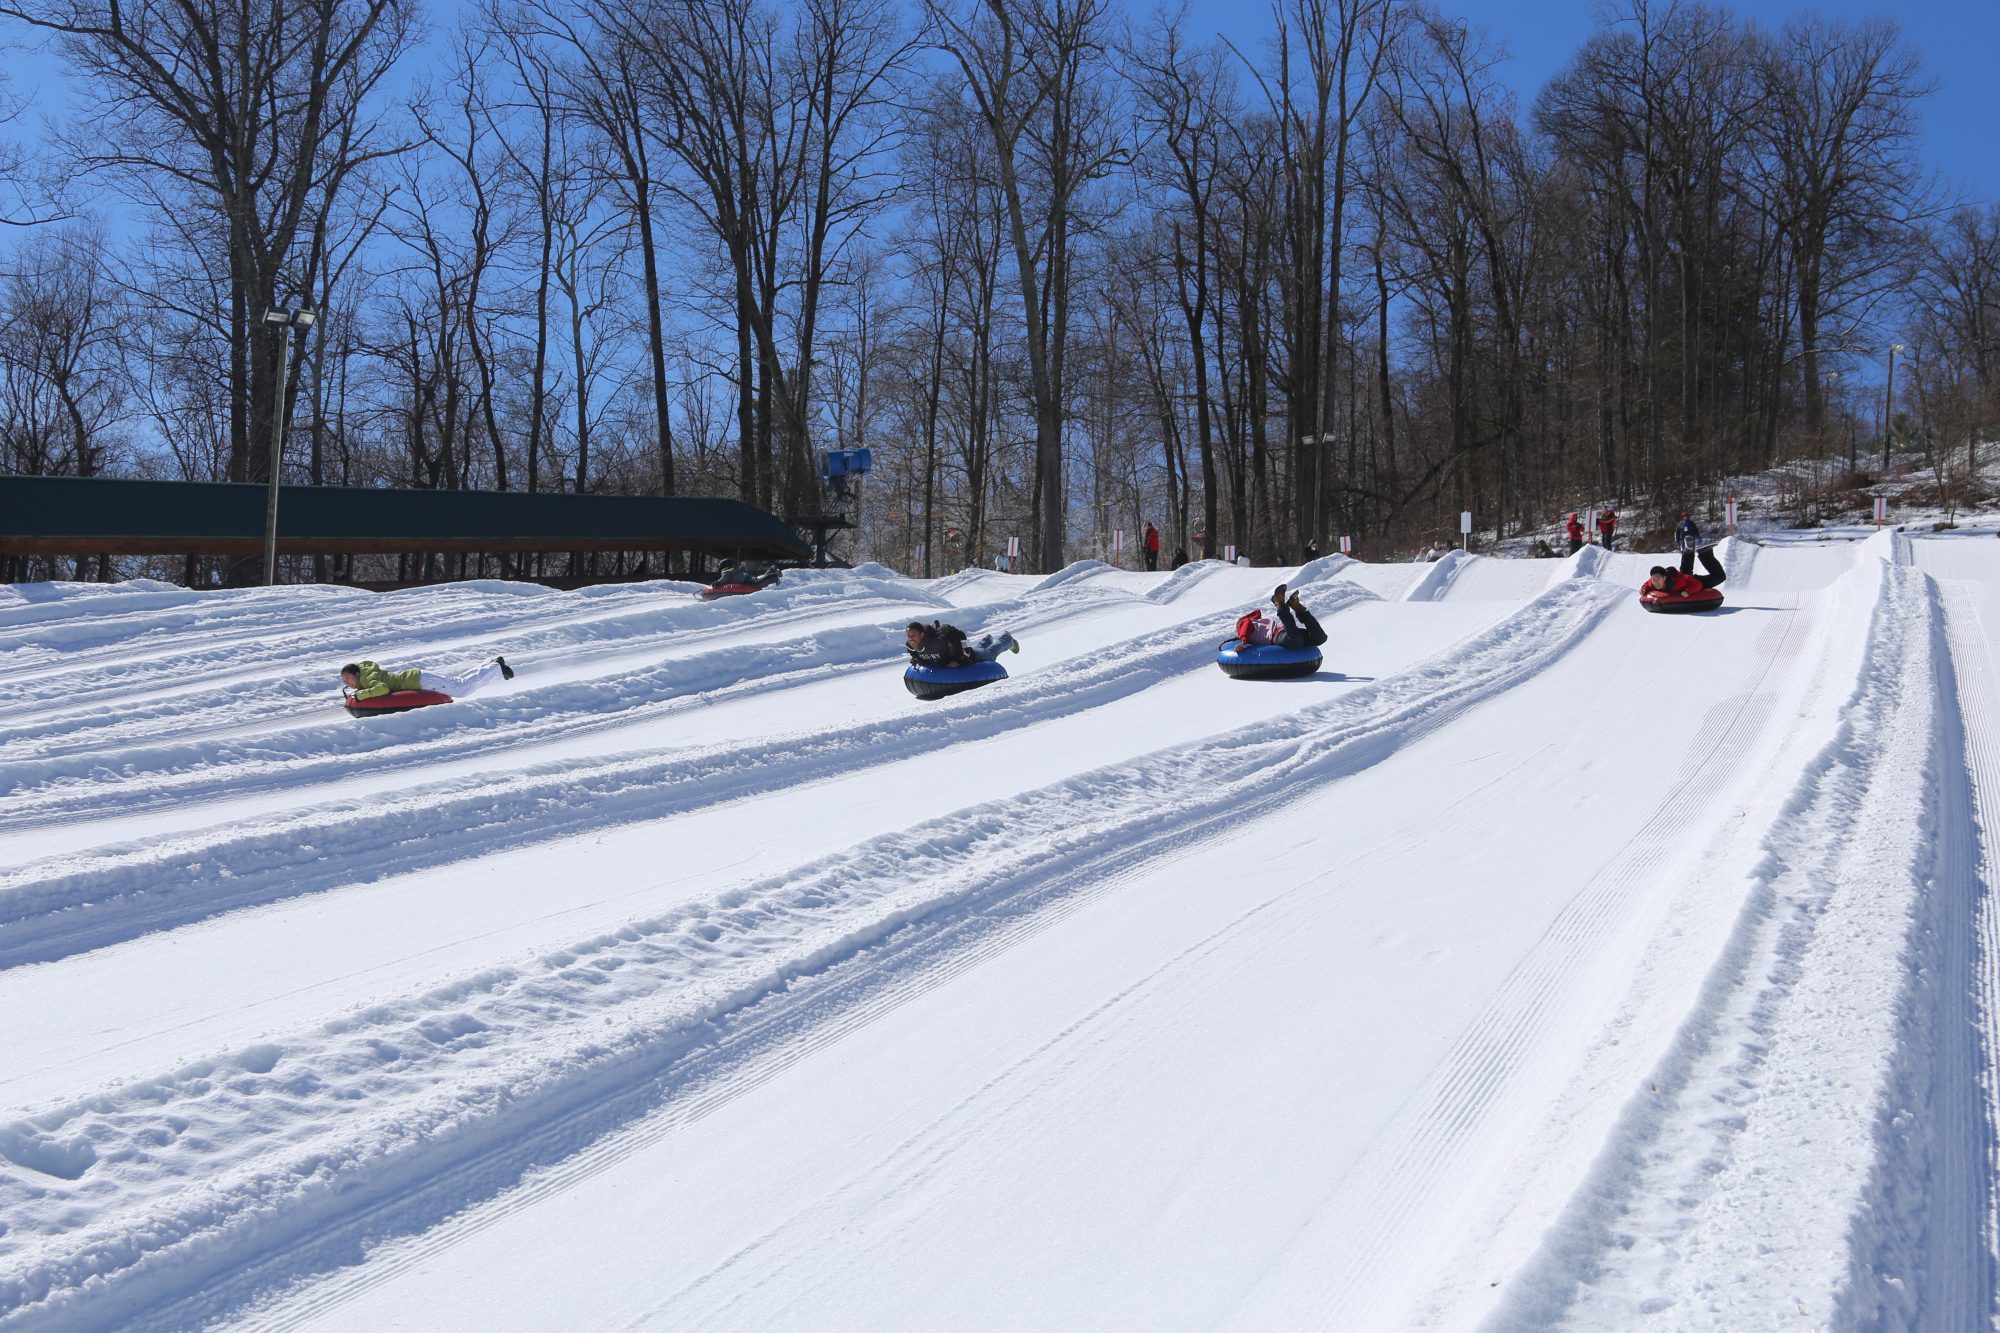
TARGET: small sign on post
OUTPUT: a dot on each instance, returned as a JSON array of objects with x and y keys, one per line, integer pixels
[
  {"x": 1465, "y": 530},
  {"x": 1881, "y": 511},
  {"x": 920, "y": 555},
  {"x": 1729, "y": 514},
  {"x": 1347, "y": 546},
  {"x": 1118, "y": 546},
  {"x": 1229, "y": 555},
  {"x": 1013, "y": 552}
]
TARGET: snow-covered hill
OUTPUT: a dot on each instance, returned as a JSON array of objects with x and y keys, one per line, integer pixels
[{"x": 1538, "y": 963}]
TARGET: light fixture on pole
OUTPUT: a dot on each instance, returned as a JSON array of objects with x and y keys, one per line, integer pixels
[
  {"x": 1889, "y": 405},
  {"x": 287, "y": 321}
]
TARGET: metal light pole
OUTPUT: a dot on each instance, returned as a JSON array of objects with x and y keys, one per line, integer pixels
[
  {"x": 1889, "y": 404},
  {"x": 1318, "y": 443},
  {"x": 1832, "y": 387},
  {"x": 285, "y": 320}
]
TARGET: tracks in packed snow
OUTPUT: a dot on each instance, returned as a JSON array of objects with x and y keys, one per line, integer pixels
[
  {"x": 1461, "y": 1115},
  {"x": 1820, "y": 1107},
  {"x": 70, "y": 904},
  {"x": 60, "y": 719},
  {"x": 133, "y": 778},
  {"x": 462, "y": 1075}
]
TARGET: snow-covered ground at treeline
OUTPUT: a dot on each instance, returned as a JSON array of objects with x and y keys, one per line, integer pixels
[{"x": 1540, "y": 963}]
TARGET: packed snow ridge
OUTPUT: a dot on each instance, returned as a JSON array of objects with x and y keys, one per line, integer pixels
[{"x": 1536, "y": 962}]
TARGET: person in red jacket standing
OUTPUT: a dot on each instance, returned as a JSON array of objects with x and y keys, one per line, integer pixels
[
  {"x": 1152, "y": 548},
  {"x": 1573, "y": 529},
  {"x": 1607, "y": 527}
]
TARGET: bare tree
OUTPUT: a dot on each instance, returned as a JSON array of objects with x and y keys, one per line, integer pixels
[
  {"x": 1034, "y": 70},
  {"x": 1956, "y": 323},
  {"x": 254, "y": 114},
  {"x": 1847, "y": 189},
  {"x": 1185, "y": 103},
  {"x": 599, "y": 81},
  {"x": 62, "y": 378}
]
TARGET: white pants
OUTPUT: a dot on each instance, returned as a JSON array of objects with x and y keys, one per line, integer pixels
[{"x": 460, "y": 684}]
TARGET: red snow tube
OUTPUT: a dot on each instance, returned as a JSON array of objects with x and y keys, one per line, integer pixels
[
  {"x": 1666, "y": 603},
  {"x": 715, "y": 590},
  {"x": 396, "y": 701}
]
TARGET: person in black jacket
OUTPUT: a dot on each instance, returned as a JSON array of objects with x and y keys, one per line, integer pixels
[
  {"x": 940, "y": 645},
  {"x": 1687, "y": 540}
]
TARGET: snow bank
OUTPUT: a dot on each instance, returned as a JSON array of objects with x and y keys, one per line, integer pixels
[
  {"x": 1436, "y": 581},
  {"x": 1184, "y": 578},
  {"x": 1075, "y": 569}
]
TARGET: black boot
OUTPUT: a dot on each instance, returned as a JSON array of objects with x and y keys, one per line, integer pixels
[
  {"x": 1715, "y": 576},
  {"x": 506, "y": 672}
]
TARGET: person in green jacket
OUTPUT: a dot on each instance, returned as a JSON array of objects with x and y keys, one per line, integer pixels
[{"x": 365, "y": 680}]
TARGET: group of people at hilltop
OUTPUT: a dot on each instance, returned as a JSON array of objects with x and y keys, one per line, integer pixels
[{"x": 1607, "y": 529}]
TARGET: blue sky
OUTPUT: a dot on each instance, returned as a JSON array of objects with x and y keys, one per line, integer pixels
[{"x": 1959, "y": 41}]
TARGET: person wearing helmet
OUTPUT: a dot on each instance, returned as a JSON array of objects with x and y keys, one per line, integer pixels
[{"x": 1573, "y": 529}]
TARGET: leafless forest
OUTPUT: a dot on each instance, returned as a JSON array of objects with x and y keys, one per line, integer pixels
[{"x": 1065, "y": 268}]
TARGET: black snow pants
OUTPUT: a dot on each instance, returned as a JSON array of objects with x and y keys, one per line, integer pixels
[
  {"x": 1713, "y": 574},
  {"x": 1310, "y": 635}
]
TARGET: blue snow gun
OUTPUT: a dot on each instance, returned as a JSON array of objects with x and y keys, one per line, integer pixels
[{"x": 843, "y": 469}]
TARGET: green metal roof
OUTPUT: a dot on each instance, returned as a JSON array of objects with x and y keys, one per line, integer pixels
[{"x": 87, "y": 515}]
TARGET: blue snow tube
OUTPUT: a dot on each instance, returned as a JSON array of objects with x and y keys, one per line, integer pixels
[
  {"x": 1266, "y": 661},
  {"x": 929, "y": 682}
]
